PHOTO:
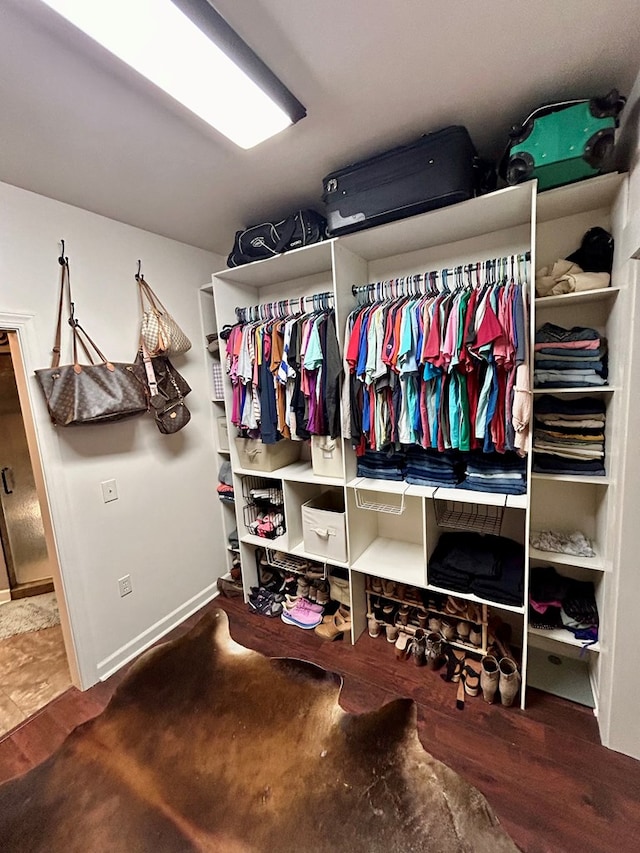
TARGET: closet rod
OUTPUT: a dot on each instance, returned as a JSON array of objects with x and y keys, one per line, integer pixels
[
  {"x": 418, "y": 278},
  {"x": 279, "y": 306}
]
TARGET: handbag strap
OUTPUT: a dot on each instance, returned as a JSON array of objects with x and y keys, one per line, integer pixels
[
  {"x": 148, "y": 366},
  {"x": 145, "y": 291},
  {"x": 78, "y": 331}
]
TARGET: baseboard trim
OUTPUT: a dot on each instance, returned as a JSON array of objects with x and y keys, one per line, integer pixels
[
  {"x": 147, "y": 638},
  {"x": 5, "y": 596}
]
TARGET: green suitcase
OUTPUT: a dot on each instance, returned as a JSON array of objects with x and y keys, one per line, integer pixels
[{"x": 563, "y": 142}]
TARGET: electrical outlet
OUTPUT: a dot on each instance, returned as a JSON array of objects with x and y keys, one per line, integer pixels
[
  {"x": 109, "y": 491},
  {"x": 124, "y": 585}
]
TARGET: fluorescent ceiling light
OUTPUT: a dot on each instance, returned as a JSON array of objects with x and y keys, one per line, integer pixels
[{"x": 158, "y": 40}]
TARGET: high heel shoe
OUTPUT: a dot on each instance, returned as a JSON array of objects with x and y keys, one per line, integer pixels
[
  {"x": 471, "y": 676},
  {"x": 337, "y": 627},
  {"x": 455, "y": 661}
]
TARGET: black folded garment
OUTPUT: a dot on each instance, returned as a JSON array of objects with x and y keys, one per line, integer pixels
[
  {"x": 468, "y": 552},
  {"x": 508, "y": 588},
  {"x": 550, "y": 405},
  {"x": 547, "y": 463}
]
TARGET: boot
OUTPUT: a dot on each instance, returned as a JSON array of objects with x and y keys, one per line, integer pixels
[
  {"x": 509, "y": 684},
  {"x": 434, "y": 651},
  {"x": 373, "y": 625},
  {"x": 418, "y": 646},
  {"x": 489, "y": 678}
]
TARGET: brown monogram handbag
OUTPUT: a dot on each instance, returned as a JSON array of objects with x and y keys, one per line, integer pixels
[{"x": 97, "y": 392}]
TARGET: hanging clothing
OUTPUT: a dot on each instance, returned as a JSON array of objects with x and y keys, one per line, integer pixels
[
  {"x": 286, "y": 376},
  {"x": 447, "y": 371}
]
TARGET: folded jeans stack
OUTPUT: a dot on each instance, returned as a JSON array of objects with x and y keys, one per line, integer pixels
[
  {"x": 496, "y": 472},
  {"x": 569, "y": 358},
  {"x": 568, "y": 436},
  {"x": 379, "y": 465},
  {"x": 489, "y": 566},
  {"x": 433, "y": 468}
]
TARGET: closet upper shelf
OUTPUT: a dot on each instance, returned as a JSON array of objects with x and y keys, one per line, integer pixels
[
  {"x": 594, "y": 194},
  {"x": 292, "y": 265},
  {"x": 495, "y": 211}
]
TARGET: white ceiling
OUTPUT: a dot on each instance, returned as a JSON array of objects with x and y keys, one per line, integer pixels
[{"x": 78, "y": 127}]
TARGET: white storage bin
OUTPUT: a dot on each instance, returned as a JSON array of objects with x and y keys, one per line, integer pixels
[
  {"x": 326, "y": 456},
  {"x": 255, "y": 455},
  {"x": 324, "y": 529},
  {"x": 223, "y": 433}
]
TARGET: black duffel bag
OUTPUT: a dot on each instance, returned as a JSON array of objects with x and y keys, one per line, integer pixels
[{"x": 272, "y": 238}]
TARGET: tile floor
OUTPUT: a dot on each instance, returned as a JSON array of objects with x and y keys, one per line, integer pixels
[{"x": 33, "y": 671}]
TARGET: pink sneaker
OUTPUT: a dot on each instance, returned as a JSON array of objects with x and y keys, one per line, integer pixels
[
  {"x": 292, "y": 601},
  {"x": 302, "y": 616}
]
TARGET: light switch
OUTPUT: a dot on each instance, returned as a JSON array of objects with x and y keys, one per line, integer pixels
[{"x": 109, "y": 491}]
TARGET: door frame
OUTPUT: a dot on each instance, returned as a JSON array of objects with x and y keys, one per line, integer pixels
[{"x": 20, "y": 330}]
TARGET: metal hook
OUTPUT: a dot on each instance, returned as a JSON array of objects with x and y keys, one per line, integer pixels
[
  {"x": 62, "y": 260},
  {"x": 139, "y": 276}
]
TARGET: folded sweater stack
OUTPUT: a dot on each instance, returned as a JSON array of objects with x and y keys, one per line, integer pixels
[
  {"x": 569, "y": 358},
  {"x": 568, "y": 436}
]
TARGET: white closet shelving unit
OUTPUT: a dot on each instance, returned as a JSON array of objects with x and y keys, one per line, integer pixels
[
  {"x": 215, "y": 362},
  {"x": 568, "y": 502},
  {"x": 396, "y": 543}
]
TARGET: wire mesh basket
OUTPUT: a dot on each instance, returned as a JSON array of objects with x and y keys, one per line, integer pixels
[
  {"x": 481, "y": 518},
  {"x": 296, "y": 565},
  {"x": 264, "y": 522},
  {"x": 262, "y": 491}
]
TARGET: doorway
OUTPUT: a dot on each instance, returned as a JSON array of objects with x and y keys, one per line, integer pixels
[{"x": 33, "y": 656}]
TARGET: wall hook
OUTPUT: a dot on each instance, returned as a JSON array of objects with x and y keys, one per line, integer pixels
[
  {"x": 62, "y": 260},
  {"x": 139, "y": 276}
]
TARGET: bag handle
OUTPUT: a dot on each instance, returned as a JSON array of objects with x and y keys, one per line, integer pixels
[
  {"x": 284, "y": 237},
  {"x": 147, "y": 293},
  {"x": 78, "y": 331}
]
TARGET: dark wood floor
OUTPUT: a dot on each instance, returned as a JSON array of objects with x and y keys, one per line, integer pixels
[{"x": 544, "y": 772}]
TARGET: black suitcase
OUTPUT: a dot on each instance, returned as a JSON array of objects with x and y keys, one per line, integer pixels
[{"x": 436, "y": 170}]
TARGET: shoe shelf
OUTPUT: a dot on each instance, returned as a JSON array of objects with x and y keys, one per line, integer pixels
[
  {"x": 415, "y": 603},
  {"x": 561, "y": 635}
]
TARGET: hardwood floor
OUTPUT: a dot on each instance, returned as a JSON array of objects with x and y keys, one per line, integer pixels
[{"x": 555, "y": 789}]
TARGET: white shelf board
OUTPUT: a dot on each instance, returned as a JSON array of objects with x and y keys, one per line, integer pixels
[
  {"x": 592, "y": 194},
  {"x": 517, "y": 501},
  {"x": 392, "y": 487},
  {"x": 421, "y": 491},
  {"x": 560, "y": 635},
  {"x": 597, "y": 563},
  {"x": 298, "y": 551},
  {"x": 280, "y": 543},
  {"x": 297, "y": 472},
  {"x": 590, "y": 389},
  {"x": 296, "y": 264},
  {"x": 468, "y": 497},
  {"x": 495, "y": 211},
  {"x": 572, "y": 478},
  {"x": 223, "y": 452},
  {"x": 393, "y": 560},
  {"x": 581, "y": 298},
  {"x": 469, "y": 596}
]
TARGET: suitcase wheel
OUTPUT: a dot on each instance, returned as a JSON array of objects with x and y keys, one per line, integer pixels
[
  {"x": 519, "y": 168},
  {"x": 599, "y": 148},
  {"x": 520, "y": 132},
  {"x": 610, "y": 106}
]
